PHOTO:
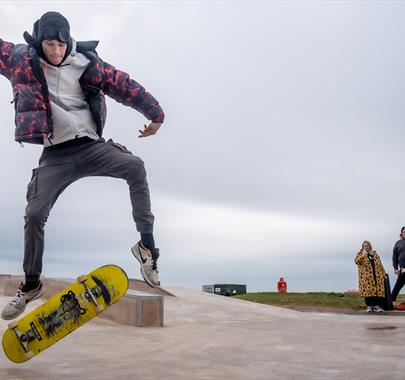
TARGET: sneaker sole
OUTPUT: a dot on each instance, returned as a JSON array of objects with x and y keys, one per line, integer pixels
[{"x": 137, "y": 255}]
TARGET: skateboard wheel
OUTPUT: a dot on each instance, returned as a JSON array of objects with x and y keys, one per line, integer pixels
[
  {"x": 99, "y": 309},
  {"x": 12, "y": 325},
  {"x": 29, "y": 355},
  {"x": 82, "y": 278}
]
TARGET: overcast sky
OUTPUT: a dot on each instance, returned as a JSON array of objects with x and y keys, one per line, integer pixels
[{"x": 281, "y": 151}]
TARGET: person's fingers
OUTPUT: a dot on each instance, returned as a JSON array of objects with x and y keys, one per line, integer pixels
[
  {"x": 142, "y": 133},
  {"x": 146, "y": 133},
  {"x": 150, "y": 131}
]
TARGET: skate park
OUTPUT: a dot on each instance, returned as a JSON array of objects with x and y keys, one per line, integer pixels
[
  {"x": 280, "y": 155},
  {"x": 196, "y": 335}
]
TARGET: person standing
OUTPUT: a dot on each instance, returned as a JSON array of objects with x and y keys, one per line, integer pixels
[
  {"x": 371, "y": 277},
  {"x": 398, "y": 261}
]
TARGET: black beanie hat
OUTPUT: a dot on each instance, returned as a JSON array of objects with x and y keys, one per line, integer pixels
[{"x": 52, "y": 25}]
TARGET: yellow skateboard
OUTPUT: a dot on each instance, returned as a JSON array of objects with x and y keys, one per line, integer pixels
[{"x": 64, "y": 312}]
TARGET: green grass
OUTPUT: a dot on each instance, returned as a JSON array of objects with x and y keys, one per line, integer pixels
[{"x": 313, "y": 299}]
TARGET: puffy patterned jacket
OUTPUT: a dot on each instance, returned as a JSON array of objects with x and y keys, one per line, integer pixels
[{"x": 33, "y": 117}]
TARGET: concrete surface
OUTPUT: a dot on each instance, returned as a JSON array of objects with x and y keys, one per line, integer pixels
[{"x": 217, "y": 338}]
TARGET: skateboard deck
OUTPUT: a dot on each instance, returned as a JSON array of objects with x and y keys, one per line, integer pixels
[{"x": 64, "y": 312}]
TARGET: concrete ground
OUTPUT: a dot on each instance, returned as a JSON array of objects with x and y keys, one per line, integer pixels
[{"x": 212, "y": 337}]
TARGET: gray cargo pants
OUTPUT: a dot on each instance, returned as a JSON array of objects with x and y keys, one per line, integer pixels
[{"x": 58, "y": 168}]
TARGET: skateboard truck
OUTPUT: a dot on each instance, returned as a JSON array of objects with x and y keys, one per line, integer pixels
[
  {"x": 94, "y": 291},
  {"x": 24, "y": 338},
  {"x": 91, "y": 294}
]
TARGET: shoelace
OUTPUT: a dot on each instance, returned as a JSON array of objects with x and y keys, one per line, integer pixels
[
  {"x": 17, "y": 297},
  {"x": 152, "y": 260},
  {"x": 154, "y": 264}
]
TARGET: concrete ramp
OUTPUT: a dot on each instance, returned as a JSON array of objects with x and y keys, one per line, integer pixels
[{"x": 219, "y": 338}]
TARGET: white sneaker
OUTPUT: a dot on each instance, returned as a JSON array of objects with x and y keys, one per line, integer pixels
[
  {"x": 369, "y": 309},
  {"x": 18, "y": 304},
  {"x": 148, "y": 260},
  {"x": 378, "y": 309}
]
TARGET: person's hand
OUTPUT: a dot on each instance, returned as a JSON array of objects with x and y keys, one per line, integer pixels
[
  {"x": 149, "y": 130},
  {"x": 397, "y": 271}
]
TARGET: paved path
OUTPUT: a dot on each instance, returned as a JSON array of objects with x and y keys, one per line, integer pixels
[{"x": 218, "y": 338}]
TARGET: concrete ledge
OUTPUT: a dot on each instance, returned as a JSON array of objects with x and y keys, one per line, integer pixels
[
  {"x": 136, "y": 308},
  {"x": 11, "y": 284},
  {"x": 3, "y": 279},
  {"x": 142, "y": 286}
]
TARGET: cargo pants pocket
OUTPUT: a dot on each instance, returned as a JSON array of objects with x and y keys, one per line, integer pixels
[{"x": 122, "y": 148}]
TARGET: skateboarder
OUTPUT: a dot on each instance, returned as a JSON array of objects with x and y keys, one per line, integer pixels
[{"x": 59, "y": 88}]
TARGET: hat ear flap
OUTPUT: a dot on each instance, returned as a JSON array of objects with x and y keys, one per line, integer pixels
[
  {"x": 33, "y": 40},
  {"x": 29, "y": 39},
  {"x": 35, "y": 30}
]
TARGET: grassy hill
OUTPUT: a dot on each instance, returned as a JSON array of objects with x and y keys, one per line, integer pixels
[{"x": 352, "y": 301}]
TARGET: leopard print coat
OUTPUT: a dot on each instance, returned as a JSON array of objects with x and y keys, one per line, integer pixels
[{"x": 368, "y": 285}]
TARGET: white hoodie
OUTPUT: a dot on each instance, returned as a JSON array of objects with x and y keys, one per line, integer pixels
[{"x": 70, "y": 112}]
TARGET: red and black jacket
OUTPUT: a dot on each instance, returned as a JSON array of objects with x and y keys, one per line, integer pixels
[{"x": 33, "y": 117}]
